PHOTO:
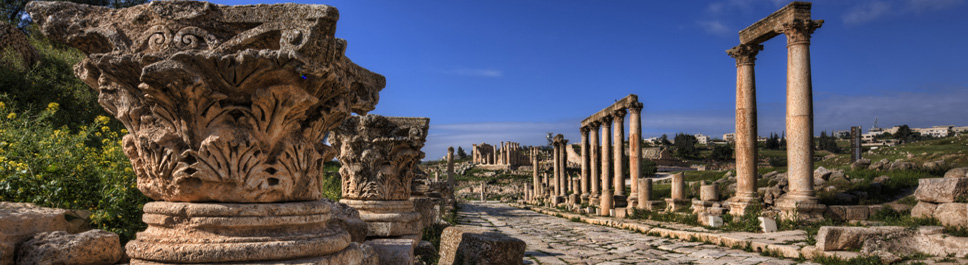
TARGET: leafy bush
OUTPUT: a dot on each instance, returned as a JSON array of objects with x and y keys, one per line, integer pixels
[{"x": 75, "y": 169}]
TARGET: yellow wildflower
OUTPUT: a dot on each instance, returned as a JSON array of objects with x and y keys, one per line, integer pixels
[
  {"x": 12, "y": 116},
  {"x": 53, "y": 106},
  {"x": 2, "y": 105},
  {"x": 102, "y": 119}
]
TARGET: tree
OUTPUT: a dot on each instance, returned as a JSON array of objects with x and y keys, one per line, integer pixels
[
  {"x": 685, "y": 146},
  {"x": 13, "y": 11},
  {"x": 664, "y": 140},
  {"x": 461, "y": 153},
  {"x": 828, "y": 143},
  {"x": 551, "y": 139},
  {"x": 722, "y": 152},
  {"x": 905, "y": 134}
]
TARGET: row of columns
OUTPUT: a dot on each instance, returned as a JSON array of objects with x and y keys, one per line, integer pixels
[
  {"x": 507, "y": 154},
  {"x": 603, "y": 163}
]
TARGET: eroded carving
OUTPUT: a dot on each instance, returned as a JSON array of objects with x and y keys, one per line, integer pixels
[
  {"x": 223, "y": 103},
  {"x": 379, "y": 155},
  {"x": 745, "y": 53}
]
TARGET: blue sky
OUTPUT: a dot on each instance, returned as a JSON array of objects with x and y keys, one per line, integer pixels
[{"x": 491, "y": 71}]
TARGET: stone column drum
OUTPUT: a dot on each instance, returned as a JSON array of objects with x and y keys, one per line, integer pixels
[
  {"x": 678, "y": 199},
  {"x": 745, "y": 136},
  {"x": 645, "y": 194},
  {"x": 799, "y": 121},
  {"x": 378, "y": 156},
  {"x": 605, "y": 198},
  {"x": 226, "y": 107}
]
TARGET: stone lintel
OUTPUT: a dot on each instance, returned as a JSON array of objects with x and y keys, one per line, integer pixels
[
  {"x": 765, "y": 29},
  {"x": 624, "y": 103}
]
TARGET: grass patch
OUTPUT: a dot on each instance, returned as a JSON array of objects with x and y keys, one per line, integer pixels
[
  {"x": 673, "y": 217},
  {"x": 864, "y": 260}
]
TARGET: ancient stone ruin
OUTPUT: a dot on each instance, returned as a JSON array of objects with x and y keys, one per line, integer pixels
[
  {"x": 793, "y": 20},
  {"x": 509, "y": 155},
  {"x": 608, "y": 172},
  {"x": 378, "y": 157},
  {"x": 226, "y": 107}
]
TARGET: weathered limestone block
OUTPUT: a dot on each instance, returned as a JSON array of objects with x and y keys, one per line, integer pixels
[
  {"x": 961, "y": 172},
  {"x": 708, "y": 192},
  {"x": 395, "y": 250},
  {"x": 833, "y": 238},
  {"x": 923, "y": 210},
  {"x": 860, "y": 164},
  {"x": 20, "y": 221},
  {"x": 181, "y": 232},
  {"x": 941, "y": 190},
  {"x": 471, "y": 245},
  {"x": 349, "y": 219},
  {"x": 94, "y": 247},
  {"x": 952, "y": 214},
  {"x": 379, "y": 157},
  {"x": 12, "y": 38},
  {"x": 223, "y": 103}
]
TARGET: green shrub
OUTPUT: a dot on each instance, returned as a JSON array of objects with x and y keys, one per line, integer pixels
[{"x": 74, "y": 169}]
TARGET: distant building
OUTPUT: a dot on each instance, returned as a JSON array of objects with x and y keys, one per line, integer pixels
[
  {"x": 841, "y": 134},
  {"x": 729, "y": 137},
  {"x": 936, "y": 131},
  {"x": 961, "y": 129},
  {"x": 702, "y": 139}
]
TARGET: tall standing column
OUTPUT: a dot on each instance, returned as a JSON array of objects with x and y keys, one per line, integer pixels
[
  {"x": 474, "y": 153},
  {"x": 745, "y": 136},
  {"x": 635, "y": 147},
  {"x": 534, "y": 168},
  {"x": 799, "y": 119},
  {"x": 556, "y": 172},
  {"x": 606, "y": 198},
  {"x": 450, "y": 167},
  {"x": 585, "y": 153},
  {"x": 565, "y": 181},
  {"x": 594, "y": 176},
  {"x": 618, "y": 144}
]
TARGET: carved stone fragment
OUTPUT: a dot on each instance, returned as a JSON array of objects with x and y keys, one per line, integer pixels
[
  {"x": 379, "y": 156},
  {"x": 223, "y": 103}
]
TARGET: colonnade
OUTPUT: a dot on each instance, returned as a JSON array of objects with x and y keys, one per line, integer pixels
[
  {"x": 509, "y": 153},
  {"x": 604, "y": 164}
]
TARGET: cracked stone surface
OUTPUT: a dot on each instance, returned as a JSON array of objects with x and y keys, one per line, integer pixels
[{"x": 555, "y": 240}]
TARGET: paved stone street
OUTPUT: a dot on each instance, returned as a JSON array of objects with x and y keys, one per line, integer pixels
[{"x": 555, "y": 240}]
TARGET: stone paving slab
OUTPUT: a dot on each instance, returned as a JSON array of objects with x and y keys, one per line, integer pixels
[{"x": 554, "y": 240}]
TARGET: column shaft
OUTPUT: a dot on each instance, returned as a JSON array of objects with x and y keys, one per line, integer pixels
[
  {"x": 618, "y": 144},
  {"x": 799, "y": 122},
  {"x": 606, "y": 198},
  {"x": 635, "y": 146},
  {"x": 585, "y": 157},
  {"x": 594, "y": 176},
  {"x": 556, "y": 171}
]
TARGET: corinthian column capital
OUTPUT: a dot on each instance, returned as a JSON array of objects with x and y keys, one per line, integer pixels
[
  {"x": 799, "y": 31},
  {"x": 745, "y": 53}
]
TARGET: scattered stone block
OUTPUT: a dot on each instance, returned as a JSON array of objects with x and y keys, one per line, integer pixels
[
  {"x": 94, "y": 247},
  {"x": 349, "y": 219},
  {"x": 961, "y": 172},
  {"x": 860, "y": 163},
  {"x": 20, "y": 221},
  {"x": 425, "y": 248},
  {"x": 857, "y": 212},
  {"x": 395, "y": 250},
  {"x": 833, "y": 238},
  {"x": 940, "y": 190},
  {"x": 767, "y": 224},
  {"x": 470, "y": 245},
  {"x": 836, "y": 212},
  {"x": 714, "y": 221},
  {"x": 952, "y": 214},
  {"x": 821, "y": 173}
]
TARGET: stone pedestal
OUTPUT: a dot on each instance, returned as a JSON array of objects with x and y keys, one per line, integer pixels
[
  {"x": 395, "y": 250},
  {"x": 644, "y": 193},
  {"x": 620, "y": 201},
  {"x": 227, "y": 107},
  {"x": 794, "y": 208},
  {"x": 652, "y": 205},
  {"x": 387, "y": 218},
  {"x": 180, "y": 232},
  {"x": 677, "y": 205}
]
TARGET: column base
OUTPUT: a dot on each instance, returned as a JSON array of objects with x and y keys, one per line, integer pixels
[
  {"x": 620, "y": 201},
  {"x": 800, "y": 208},
  {"x": 257, "y": 233},
  {"x": 738, "y": 206},
  {"x": 605, "y": 204},
  {"x": 651, "y": 205},
  {"x": 676, "y": 205},
  {"x": 584, "y": 198},
  {"x": 593, "y": 200},
  {"x": 387, "y": 218},
  {"x": 631, "y": 202},
  {"x": 574, "y": 199}
]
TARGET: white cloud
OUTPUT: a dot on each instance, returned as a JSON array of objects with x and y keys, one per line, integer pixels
[
  {"x": 866, "y": 12},
  {"x": 714, "y": 27},
  {"x": 476, "y": 72}
]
